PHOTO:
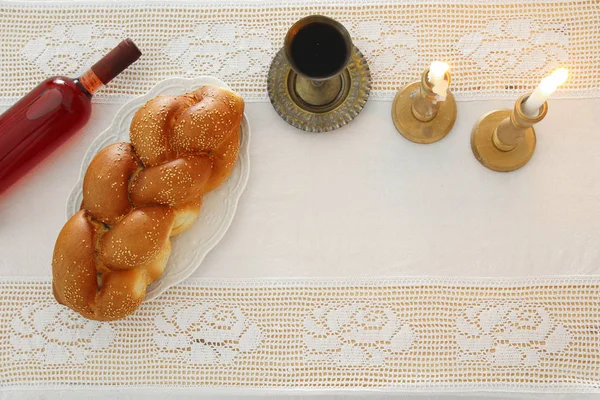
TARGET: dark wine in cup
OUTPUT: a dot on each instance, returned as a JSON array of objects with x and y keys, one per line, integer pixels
[
  {"x": 319, "y": 51},
  {"x": 318, "y": 48}
]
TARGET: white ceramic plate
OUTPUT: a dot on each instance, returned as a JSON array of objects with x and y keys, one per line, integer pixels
[{"x": 218, "y": 207}]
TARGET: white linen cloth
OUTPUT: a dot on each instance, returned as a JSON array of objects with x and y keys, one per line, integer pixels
[
  {"x": 363, "y": 201},
  {"x": 361, "y": 204}
]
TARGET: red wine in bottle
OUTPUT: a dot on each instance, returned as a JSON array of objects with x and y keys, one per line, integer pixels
[{"x": 52, "y": 112}]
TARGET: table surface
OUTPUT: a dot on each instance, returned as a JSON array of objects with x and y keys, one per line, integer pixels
[
  {"x": 363, "y": 201},
  {"x": 358, "y": 202}
]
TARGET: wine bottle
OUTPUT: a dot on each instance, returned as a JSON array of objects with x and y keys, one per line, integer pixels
[{"x": 52, "y": 112}]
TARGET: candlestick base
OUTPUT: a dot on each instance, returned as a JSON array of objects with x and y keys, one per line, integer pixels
[
  {"x": 489, "y": 155},
  {"x": 416, "y": 130}
]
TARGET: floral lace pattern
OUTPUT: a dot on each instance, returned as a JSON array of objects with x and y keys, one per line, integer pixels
[
  {"x": 206, "y": 333},
  {"x": 390, "y": 48},
  {"x": 409, "y": 334},
  {"x": 224, "y": 50},
  {"x": 53, "y": 334},
  {"x": 509, "y": 334},
  {"x": 517, "y": 46},
  {"x": 355, "y": 334},
  {"x": 71, "y": 49},
  {"x": 493, "y": 51}
]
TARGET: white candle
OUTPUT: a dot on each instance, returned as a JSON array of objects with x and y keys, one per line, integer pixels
[
  {"x": 437, "y": 79},
  {"x": 531, "y": 107}
]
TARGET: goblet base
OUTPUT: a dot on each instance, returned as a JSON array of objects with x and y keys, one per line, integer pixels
[{"x": 323, "y": 106}]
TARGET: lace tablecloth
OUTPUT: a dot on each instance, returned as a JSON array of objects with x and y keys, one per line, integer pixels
[{"x": 501, "y": 290}]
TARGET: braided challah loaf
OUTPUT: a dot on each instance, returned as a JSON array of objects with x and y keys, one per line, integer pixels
[{"x": 137, "y": 195}]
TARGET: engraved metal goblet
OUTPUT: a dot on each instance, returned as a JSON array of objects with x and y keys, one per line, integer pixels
[{"x": 319, "y": 81}]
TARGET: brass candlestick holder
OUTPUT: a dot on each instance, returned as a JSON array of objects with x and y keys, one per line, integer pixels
[
  {"x": 504, "y": 140},
  {"x": 418, "y": 116}
]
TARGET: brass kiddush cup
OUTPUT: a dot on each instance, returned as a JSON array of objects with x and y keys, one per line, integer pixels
[
  {"x": 318, "y": 81},
  {"x": 318, "y": 50}
]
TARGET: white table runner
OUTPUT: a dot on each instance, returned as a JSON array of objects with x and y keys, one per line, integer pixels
[{"x": 358, "y": 202}]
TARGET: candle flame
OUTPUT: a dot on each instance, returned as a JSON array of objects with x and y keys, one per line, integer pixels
[
  {"x": 557, "y": 78},
  {"x": 438, "y": 68}
]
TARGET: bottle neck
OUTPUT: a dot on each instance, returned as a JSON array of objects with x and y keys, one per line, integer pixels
[{"x": 90, "y": 82}]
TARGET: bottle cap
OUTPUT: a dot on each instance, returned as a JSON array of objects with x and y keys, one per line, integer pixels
[{"x": 116, "y": 61}]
